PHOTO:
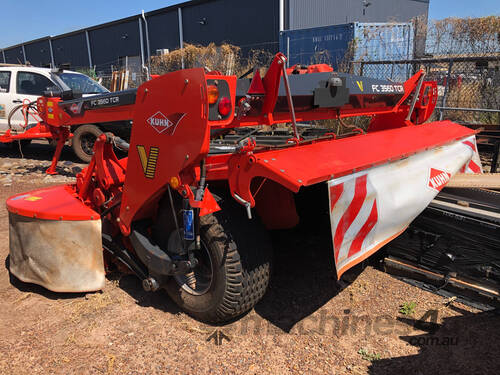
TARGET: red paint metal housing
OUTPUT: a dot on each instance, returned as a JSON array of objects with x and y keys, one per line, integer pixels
[
  {"x": 317, "y": 161},
  {"x": 52, "y": 203}
]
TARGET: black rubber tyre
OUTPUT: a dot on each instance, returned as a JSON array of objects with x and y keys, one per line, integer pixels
[
  {"x": 24, "y": 143},
  {"x": 83, "y": 141},
  {"x": 240, "y": 252}
]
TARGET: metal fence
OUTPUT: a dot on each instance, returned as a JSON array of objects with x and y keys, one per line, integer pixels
[
  {"x": 104, "y": 73},
  {"x": 468, "y": 86}
]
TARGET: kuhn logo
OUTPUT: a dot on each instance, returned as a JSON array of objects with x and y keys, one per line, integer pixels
[
  {"x": 438, "y": 178},
  {"x": 162, "y": 123},
  {"x": 75, "y": 108}
]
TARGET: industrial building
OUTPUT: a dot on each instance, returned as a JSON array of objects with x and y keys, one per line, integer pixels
[
  {"x": 304, "y": 14},
  {"x": 250, "y": 25}
]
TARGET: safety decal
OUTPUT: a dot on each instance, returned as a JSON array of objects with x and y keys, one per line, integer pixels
[
  {"x": 2, "y": 111},
  {"x": 19, "y": 197},
  {"x": 148, "y": 161},
  {"x": 32, "y": 198},
  {"x": 50, "y": 110},
  {"x": 76, "y": 108},
  {"x": 27, "y": 197},
  {"x": 438, "y": 178},
  {"x": 165, "y": 124},
  {"x": 474, "y": 165},
  {"x": 356, "y": 204},
  {"x": 370, "y": 208},
  {"x": 360, "y": 85}
]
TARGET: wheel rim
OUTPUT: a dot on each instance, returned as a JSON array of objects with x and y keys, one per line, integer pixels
[
  {"x": 203, "y": 273},
  {"x": 87, "y": 141}
]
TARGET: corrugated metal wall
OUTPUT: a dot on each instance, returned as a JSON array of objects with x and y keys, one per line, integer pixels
[
  {"x": 38, "y": 53},
  {"x": 164, "y": 31},
  {"x": 250, "y": 25},
  {"x": 314, "y": 13},
  {"x": 110, "y": 43},
  {"x": 71, "y": 49},
  {"x": 14, "y": 55}
]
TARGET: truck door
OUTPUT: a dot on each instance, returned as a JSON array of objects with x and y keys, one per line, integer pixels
[
  {"x": 30, "y": 86},
  {"x": 5, "y": 97}
]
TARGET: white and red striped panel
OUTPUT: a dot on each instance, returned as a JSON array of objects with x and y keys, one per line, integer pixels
[
  {"x": 474, "y": 165},
  {"x": 370, "y": 208}
]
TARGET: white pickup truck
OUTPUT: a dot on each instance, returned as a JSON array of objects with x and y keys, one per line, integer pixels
[{"x": 19, "y": 82}]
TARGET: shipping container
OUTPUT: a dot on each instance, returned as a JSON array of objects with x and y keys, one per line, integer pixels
[{"x": 338, "y": 45}]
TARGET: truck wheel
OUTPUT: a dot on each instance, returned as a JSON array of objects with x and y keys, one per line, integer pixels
[
  {"x": 233, "y": 270},
  {"x": 83, "y": 141},
  {"x": 23, "y": 142}
]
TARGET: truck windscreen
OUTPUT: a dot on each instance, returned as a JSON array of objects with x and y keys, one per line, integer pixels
[{"x": 81, "y": 83}]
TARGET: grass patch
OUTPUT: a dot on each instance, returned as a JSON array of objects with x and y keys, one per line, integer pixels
[
  {"x": 366, "y": 355},
  {"x": 408, "y": 308}
]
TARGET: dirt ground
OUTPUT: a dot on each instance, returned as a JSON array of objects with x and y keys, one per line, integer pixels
[{"x": 307, "y": 323}]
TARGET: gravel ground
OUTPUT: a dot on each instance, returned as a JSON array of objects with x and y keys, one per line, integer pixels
[
  {"x": 34, "y": 162},
  {"x": 306, "y": 324}
]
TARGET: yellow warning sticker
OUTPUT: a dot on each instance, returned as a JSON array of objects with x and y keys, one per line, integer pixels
[
  {"x": 32, "y": 198},
  {"x": 148, "y": 161}
]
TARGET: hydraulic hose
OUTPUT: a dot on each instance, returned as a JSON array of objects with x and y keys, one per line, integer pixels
[
  {"x": 203, "y": 177},
  {"x": 200, "y": 191},
  {"x": 26, "y": 107},
  {"x": 345, "y": 125}
]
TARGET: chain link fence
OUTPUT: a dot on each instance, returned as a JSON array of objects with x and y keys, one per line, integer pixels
[
  {"x": 462, "y": 55},
  {"x": 468, "y": 87},
  {"x": 225, "y": 58},
  {"x": 103, "y": 73}
]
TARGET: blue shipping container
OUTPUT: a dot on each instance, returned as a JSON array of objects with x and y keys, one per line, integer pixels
[
  {"x": 369, "y": 41},
  {"x": 327, "y": 44}
]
